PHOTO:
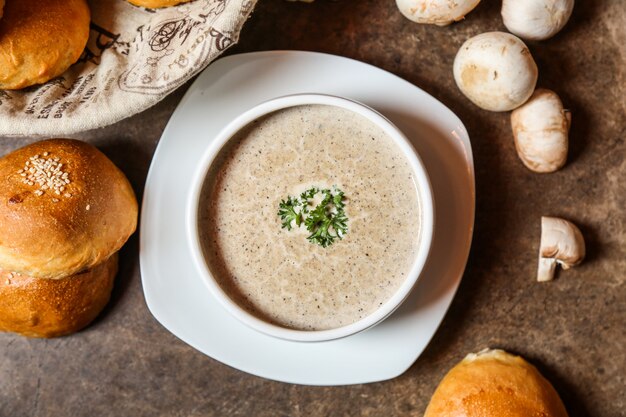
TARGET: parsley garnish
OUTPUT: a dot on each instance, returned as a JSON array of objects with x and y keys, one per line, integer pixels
[
  {"x": 327, "y": 221},
  {"x": 288, "y": 214}
]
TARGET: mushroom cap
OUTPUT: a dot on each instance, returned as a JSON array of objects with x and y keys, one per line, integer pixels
[
  {"x": 561, "y": 243},
  {"x": 562, "y": 240},
  {"x": 496, "y": 71},
  {"x": 436, "y": 12},
  {"x": 536, "y": 19},
  {"x": 540, "y": 128}
]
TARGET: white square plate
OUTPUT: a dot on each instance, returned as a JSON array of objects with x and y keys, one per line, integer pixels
[{"x": 174, "y": 290}]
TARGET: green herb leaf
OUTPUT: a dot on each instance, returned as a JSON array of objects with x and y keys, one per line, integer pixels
[
  {"x": 326, "y": 222},
  {"x": 287, "y": 212},
  {"x": 305, "y": 197}
]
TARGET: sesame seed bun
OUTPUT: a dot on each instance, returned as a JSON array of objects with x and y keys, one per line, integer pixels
[
  {"x": 64, "y": 208},
  {"x": 38, "y": 307},
  {"x": 39, "y": 40},
  {"x": 494, "y": 383},
  {"x": 156, "y": 4}
]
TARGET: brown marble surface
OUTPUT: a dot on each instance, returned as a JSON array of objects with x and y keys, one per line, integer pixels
[{"x": 573, "y": 329}]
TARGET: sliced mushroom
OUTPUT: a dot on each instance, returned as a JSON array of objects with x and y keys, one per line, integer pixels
[{"x": 561, "y": 243}]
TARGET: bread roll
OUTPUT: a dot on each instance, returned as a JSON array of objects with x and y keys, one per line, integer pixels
[
  {"x": 39, "y": 40},
  {"x": 38, "y": 307},
  {"x": 64, "y": 208},
  {"x": 156, "y": 4},
  {"x": 494, "y": 383}
]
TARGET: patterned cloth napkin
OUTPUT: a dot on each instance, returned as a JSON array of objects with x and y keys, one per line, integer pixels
[{"x": 133, "y": 59}]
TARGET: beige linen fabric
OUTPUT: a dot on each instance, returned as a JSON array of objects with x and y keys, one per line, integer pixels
[{"x": 133, "y": 59}]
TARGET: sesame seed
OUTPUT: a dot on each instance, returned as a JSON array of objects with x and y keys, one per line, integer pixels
[
  {"x": 88, "y": 207},
  {"x": 68, "y": 195},
  {"x": 8, "y": 281},
  {"x": 55, "y": 200},
  {"x": 47, "y": 173}
]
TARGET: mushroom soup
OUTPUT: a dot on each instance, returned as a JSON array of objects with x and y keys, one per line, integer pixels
[{"x": 281, "y": 275}]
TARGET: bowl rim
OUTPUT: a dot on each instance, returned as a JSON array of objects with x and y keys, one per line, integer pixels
[{"x": 423, "y": 188}]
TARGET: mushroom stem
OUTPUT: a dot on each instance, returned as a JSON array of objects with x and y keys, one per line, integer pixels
[
  {"x": 561, "y": 243},
  {"x": 546, "y": 269}
]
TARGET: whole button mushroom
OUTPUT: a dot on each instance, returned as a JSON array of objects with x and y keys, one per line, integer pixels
[
  {"x": 496, "y": 71},
  {"x": 562, "y": 243},
  {"x": 536, "y": 19},
  {"x": 436, "y": 12},
  {"x": 540, "y": 128}
]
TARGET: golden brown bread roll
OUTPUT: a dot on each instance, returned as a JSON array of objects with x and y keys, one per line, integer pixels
[
  {"x": 39, "y": 40},
  {"x": 64, "y": 207},
  {"x": 156, "y": 4},
  {"x": 494, "y": 383},
  {"x": 39, "y": 307}
]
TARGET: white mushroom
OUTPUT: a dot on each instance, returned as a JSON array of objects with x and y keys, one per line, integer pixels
[
  {"x": 436, "y": 12},
  {"x": 561, "y": 243},
  {"x": 536, "y": 19},
  {"x": 496, "y": 71},
  {"x": 540, "y": 128}
]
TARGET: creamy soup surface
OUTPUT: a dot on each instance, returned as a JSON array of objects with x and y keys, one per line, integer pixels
[{"x": 278, "y": 275}]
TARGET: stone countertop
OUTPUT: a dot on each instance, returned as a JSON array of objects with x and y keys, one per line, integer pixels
[{"x": 573, "y": 329}]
